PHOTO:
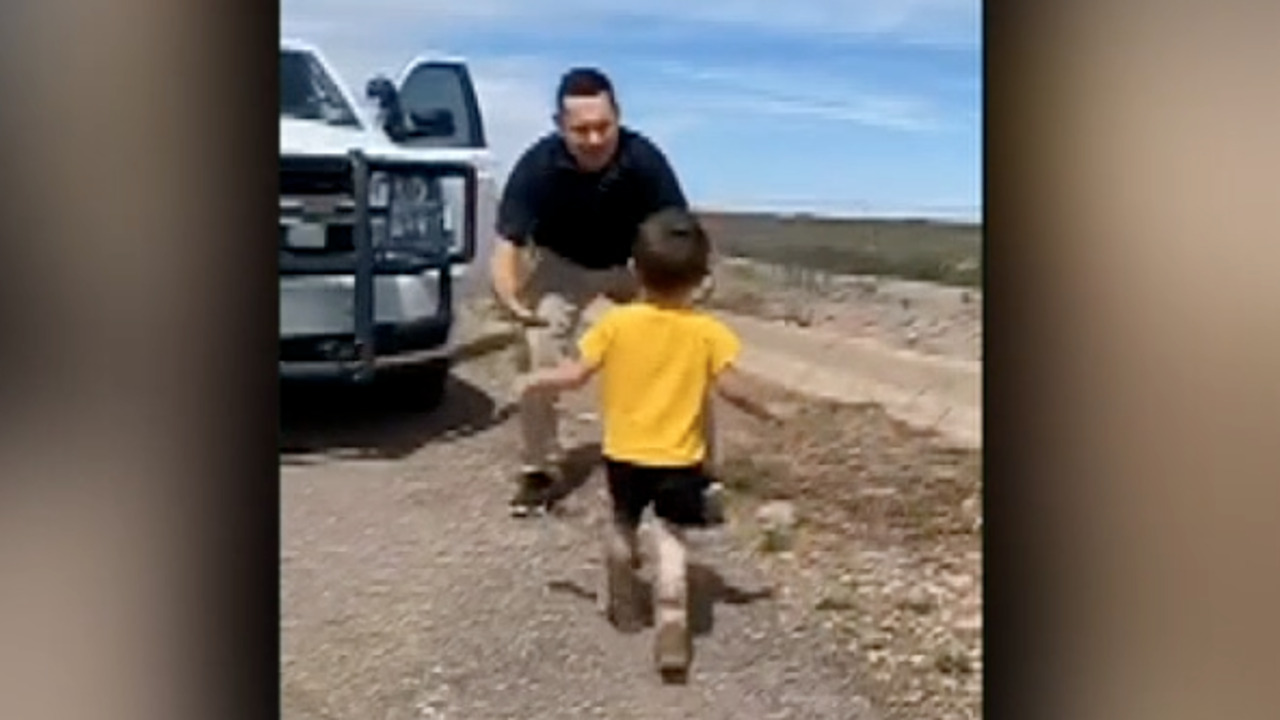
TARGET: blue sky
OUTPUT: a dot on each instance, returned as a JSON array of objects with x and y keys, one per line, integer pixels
[{"x": 849, "y": 107}]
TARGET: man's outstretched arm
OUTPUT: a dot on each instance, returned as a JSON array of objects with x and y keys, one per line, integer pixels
[
  {"x": 505, "y": 272},
  {"x": 517, "y": 216}
]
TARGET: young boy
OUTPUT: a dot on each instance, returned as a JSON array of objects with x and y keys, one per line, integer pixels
[{"x": 658, "y": 359}]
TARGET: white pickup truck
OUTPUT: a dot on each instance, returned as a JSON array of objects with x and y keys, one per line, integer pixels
[{"x": 380, "y": 220}]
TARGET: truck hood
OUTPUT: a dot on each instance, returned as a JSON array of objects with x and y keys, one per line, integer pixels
[{"x": 308, "y": 138}]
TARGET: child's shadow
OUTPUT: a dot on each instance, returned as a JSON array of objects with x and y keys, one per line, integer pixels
[{"x": 707, "y": 588}]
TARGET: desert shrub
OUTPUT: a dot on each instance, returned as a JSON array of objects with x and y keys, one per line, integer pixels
[{"x": 915, "y": 250}]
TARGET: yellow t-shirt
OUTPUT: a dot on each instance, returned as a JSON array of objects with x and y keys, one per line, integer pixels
[{"x": 656, "y": 366}]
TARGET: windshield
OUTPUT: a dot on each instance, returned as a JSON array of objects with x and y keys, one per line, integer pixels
[{"x": 308, "y": 93}]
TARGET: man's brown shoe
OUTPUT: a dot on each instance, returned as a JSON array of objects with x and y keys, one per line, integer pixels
[{"x": 532, "y": 493}]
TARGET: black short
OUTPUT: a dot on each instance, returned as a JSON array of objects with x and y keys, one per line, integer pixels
[{"x": 676, "y": 493}]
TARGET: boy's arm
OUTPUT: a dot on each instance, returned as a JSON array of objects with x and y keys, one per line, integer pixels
[
  {"x": 731, "y": 386},
  {"x": 568, "y": 375},
  {"x": 727, "y": 379},
  {"x": 572, "y": 373}
]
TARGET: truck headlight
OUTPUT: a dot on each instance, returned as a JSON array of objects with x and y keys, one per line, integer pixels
[
  {"x": 378, "y": 231},
  {"x": 414, "y": 211},
  {"x": 379, "y": 190},
  {"x": 422, "y": 209}
]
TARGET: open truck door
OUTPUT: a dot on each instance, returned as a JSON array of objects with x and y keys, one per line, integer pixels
[
  {"x": 433, "y": 104},
  {"x": 440, "y": 106}
]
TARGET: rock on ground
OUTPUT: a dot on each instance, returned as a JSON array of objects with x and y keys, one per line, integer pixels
[{"x": 777, "y": 521}]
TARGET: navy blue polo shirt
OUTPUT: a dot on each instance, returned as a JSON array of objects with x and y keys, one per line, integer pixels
[{"x": 590, "y": 219}]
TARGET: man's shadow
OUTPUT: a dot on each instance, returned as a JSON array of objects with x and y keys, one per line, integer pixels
[
  {"x": 578, "y": 466},
  {"x": 706, "y": 587}
]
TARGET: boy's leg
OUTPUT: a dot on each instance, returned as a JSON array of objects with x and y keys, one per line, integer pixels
[
  {"x": 679, "y": 504},
  {"x": 672, "y": 649},
  {"x": 558, "y": 287},
  {"x": 618, "y": 594}
]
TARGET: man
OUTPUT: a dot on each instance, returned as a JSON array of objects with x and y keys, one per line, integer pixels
[{"x": 572, "y": 205}]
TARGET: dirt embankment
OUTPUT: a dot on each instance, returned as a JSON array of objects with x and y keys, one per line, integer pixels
[{"x": 931, "y": 319}]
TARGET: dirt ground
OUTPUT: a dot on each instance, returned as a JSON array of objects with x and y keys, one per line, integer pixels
[{"x": 408, "y": 593}]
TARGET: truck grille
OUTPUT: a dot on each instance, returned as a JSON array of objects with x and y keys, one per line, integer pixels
[
  {"x": 317, "y": 191},
  {"x": 315, "y": 176},
  {"x": 338, "y": 238}
]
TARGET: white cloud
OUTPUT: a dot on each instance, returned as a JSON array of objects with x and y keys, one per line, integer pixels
[
  {"x": 926, "y": 21},
  {"x": 762, "y": 90},
  {"x": 365, "y": 37},
  {"x": 515, "y": 98},
  {"x": 515, "y": 94}
]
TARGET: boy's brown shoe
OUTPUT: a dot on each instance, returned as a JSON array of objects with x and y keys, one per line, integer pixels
[
  {"x": 621, "y": 596},
  {"x": 672, "y": 649}
]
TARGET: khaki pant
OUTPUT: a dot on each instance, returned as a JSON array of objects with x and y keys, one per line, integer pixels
[{"x": 559, "y": 291}]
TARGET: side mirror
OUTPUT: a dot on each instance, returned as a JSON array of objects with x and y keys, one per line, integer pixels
[
  {"x": 381, "y": 89},
  {"x": 433, "y": 123},
  {"x": 390, "y": 115}
]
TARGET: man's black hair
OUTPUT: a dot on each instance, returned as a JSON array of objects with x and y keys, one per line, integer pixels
[
  {"x": 672, "y": 251},
  {"x": 584, "y": 82}
]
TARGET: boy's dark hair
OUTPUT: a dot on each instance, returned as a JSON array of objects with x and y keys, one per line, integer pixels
[
  {"x": 672, "y": 252},
  {"x": 583, "y": 82}
]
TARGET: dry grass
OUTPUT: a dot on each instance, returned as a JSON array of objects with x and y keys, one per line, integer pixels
[
  {"x": 889, "y": 551},
  {"x": 945, "y": 253}
]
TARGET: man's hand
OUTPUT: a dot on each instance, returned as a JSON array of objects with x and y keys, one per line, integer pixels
[
  {"x": 521, "y": 312},
  {"x": 517, "y": 310},
  {"x": 505, "y": 275}
]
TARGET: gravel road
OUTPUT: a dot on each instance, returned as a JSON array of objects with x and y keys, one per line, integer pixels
[{"x": 408, "y": 592}]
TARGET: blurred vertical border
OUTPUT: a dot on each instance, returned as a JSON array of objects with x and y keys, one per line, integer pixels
[{"x": 138, "y": 504}]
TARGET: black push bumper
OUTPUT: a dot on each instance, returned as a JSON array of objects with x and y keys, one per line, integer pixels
[
  {"x": 370, "y": 346},
  {"x": 336, "y": 356}
]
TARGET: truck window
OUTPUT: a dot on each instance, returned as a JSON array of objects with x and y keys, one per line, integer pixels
[
  {"x": 440, "y": 103},
  {"x": 308, "y": 93}
]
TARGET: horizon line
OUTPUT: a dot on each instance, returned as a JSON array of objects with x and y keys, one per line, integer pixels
[{"x": 974, "y": 217}]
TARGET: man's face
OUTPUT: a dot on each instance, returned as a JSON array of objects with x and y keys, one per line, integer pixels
[{"x": 589, "y": 125}]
